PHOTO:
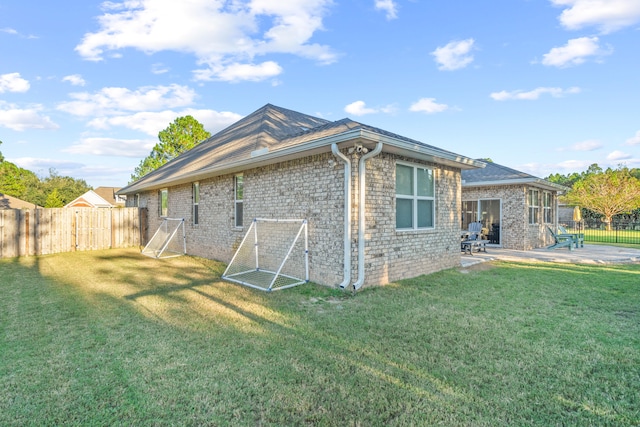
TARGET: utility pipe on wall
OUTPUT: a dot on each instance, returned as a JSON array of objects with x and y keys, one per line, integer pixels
[
  {"x": 362, "y": 211},
  {"x": 347, "y": 215}
]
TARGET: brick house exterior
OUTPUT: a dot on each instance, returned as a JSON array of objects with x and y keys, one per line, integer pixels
[
  {"x": 289, "y": 170},
  {"x": 527, "y": 205}
]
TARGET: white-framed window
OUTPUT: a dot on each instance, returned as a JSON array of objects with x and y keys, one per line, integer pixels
[
  {"x": 547, "y": 207},
  {"x": 415, "y": 197},
  {"x": 196, "y": 201},
  {"x": 238, "y": 184},
  {"x": 534, "y": 206},
  {"x": 163, "y": 202}
]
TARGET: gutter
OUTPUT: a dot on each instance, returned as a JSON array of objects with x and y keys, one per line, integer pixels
[
  {"x": 361, "y": 213},
  {"x": 347, "y": 215}
]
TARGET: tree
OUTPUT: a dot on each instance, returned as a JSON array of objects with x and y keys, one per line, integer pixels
[
  {"x": 607, "y": 193},
  {"x": 181, "y": 135},
  {"x": 53, "y": 200},
  {"x": 1, "y": 156},
  {"x": 67, "y": 189}
]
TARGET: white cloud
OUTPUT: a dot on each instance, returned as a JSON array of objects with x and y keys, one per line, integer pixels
[
  {"x": 9, "y": 31},
  {"x": 606, "y": 15},
  {"x": 359, "y": 108},
  {"x": 589, "y": 145},
  {"x": 112, "y": 147},
  {"x": 534, "y": 94},
  {"x": 454, "y": 55},
  {"x": 575, "y": 52},
  {"x": 74, "y": 79},
  {"x": 219, "y": 34},
  {"x": 12, "y": 82},
  {"x": 20, "y": 119},
  {"x": 634, "y": 140},
  {"x": 159, "y": 68},
  {"x": 388, "y": 6},
  {"x": 239, "y": 72},
  {"x": 153, "y": 122},
  {"x": 113, "y": 100},
  {"x": 429, "y": 106},
  {"x": 39, "y": 164},
  {"x": 618, "y": 155}
]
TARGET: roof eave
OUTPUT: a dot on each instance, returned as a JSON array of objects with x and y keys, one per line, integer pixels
[
  {"x": 538, "y": 182},
  {"x": 318, "y": 146}
]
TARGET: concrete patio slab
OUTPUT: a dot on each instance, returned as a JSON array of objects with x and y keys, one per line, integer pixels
[{"x": 590, "y": 254}]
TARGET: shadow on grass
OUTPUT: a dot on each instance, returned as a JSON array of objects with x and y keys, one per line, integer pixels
[{"x": 114, "y": 337}]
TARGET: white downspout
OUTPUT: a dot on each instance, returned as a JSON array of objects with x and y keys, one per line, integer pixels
[
  {"x": 361, "y": 213},
  {"x": 347, "y": 215}
]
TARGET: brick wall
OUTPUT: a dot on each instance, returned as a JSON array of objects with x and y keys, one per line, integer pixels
[
  {"x": 313, "y": 188},
  {"x": 515, "y": 230}
]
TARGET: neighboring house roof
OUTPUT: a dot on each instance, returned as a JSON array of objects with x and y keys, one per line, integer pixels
[
  {"x": 494, "y": 174},
  {"x": 109, "y": 194},
  {"x": 10, "y": 202},
  {"x": 89, "y": 200},
  {"x": 274, "y": 134}
]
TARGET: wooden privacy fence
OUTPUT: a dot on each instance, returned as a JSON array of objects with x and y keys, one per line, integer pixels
[{"x": 25, "y": 232}]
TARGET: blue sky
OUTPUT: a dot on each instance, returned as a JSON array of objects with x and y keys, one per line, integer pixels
[{"x": 543, "y": 86}]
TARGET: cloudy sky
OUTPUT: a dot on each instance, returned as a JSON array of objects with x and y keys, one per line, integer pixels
[{"x": 543, "y": 86}]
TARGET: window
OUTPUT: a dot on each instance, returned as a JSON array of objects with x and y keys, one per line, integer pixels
[
  {"x": 534, "y": 206},
  {"x": 547, "y": 211},
  {"x": 239, "y": 195},
  {"x": 196, "y": 201},
  {"x": 415, "y": 197},
  {"x": 163, "y": 202}
]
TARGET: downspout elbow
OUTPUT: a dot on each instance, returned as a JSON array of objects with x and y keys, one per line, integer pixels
[
  {"x": 347, "y": 215},
  {"x": 362, "y": 211}
]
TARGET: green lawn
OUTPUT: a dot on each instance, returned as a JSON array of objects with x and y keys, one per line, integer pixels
[
  {"x": 114, "y": 338},
  {"x": 624, "y": 237}
]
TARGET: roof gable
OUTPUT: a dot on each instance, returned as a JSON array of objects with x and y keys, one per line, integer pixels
[{"x": 89, "y": 199}]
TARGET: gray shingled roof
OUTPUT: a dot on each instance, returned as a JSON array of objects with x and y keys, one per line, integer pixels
[
  {"x": 266, "y": 135},
  {"x": 495, "y": 174}
]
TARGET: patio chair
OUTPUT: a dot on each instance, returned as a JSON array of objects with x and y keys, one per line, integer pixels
[
  {"x": 475, "y": 231},
  {"x": 474, "y": 239},
  {"x": 578, "y": 238},
  {"x": 561, "y": 240}
]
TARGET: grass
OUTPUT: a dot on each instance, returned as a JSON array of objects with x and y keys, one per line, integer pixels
[
  {"x": 115, "y": 338},
  {"x": 629, "y": 238}
]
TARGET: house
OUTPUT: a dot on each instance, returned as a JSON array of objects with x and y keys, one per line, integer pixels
[
  {"x": 380, "y": 207},
  {"x": 110, "y": 195},
  {"x": 10, "y": 202},
  {"x": 101, "y": 197},
  {"x": 514, "y": 207}
]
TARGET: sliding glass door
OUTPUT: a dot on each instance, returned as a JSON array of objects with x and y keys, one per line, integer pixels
[{"x": 488, "y": 212}]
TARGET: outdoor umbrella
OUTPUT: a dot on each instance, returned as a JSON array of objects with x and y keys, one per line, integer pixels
[{"x": 577, "y": 215}]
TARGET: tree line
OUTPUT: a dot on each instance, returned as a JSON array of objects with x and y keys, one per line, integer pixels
[{"x": 603, "y": 194}]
